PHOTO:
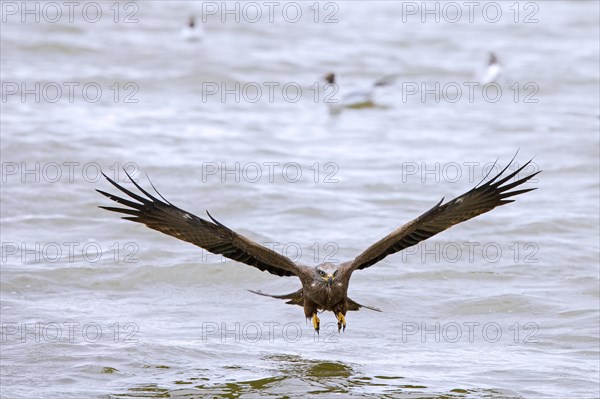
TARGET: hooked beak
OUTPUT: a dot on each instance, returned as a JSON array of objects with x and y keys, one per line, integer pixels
[{"x": 329, "y": 280}]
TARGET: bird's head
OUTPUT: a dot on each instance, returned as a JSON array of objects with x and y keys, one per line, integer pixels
[
  {"x": 326, "y": 273},
  {"x": 329, "y": 78}
]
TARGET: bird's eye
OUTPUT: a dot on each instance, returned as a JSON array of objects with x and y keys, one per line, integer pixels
[
  {"x": 321, "y": 272},
  {"x": 334, "y": 273}
]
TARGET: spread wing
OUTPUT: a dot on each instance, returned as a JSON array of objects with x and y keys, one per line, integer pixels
[
  {"x": 161, "y": 215},
  {"x": 481, "y": 199}
]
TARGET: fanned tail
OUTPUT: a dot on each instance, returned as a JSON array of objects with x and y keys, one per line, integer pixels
[
  {"x": 297, "y": 298},
  {"x": 294, "y": 298}
]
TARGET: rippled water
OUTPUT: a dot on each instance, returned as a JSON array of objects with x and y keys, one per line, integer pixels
[{"x": 504, "y": 306}]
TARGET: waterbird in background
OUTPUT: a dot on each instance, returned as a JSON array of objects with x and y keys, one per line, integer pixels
[
  {"x": 493, "y": 70},
  {"x": 325, "y": 286},
  {"x": 192, "y": 31},
  {"x": 362, "y": 98}
]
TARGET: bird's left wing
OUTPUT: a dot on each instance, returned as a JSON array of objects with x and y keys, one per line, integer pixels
[
  {"x": 213, "y": 236},
  {"x": 481, "y": 199}
]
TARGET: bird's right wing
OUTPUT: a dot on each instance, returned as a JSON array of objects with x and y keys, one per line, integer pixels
[{"x": 213, "y": 236}]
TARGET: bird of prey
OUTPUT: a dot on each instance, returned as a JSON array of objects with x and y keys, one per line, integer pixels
[{"x": 325, "y": 286}]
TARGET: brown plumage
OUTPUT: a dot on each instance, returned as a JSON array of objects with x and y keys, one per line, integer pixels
[{"x": 325, "y": 286}]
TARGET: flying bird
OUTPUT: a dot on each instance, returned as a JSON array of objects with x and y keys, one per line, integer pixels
[{"x": 324, "y": 287}]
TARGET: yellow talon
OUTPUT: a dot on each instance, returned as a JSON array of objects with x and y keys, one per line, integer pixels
[
  {"x": 341, "y": 321},
  {"x": 316, "y": 322}
]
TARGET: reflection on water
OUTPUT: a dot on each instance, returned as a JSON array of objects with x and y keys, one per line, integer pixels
[{"x": 297, "y": 377}]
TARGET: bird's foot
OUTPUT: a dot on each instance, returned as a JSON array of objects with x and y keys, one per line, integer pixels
[
  {"x": 316, "y": 322},
  {"x": 341, "y": 322}
]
